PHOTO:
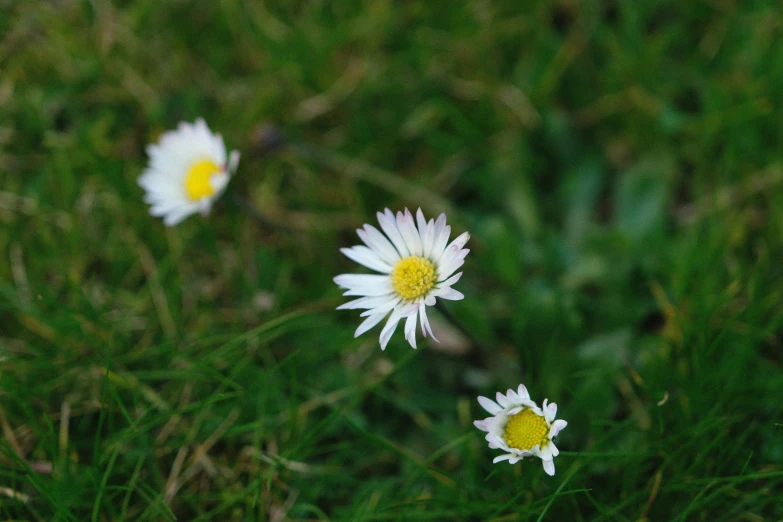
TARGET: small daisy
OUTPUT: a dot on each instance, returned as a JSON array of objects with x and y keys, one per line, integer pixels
[
  {"x": 520, "y": 428},
  {"x": 187, "y": 172},
  {"x": 416, "y": 266}
]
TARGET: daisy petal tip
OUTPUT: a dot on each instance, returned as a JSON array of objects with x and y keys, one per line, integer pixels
[
  {"x": 489, "y": 405},
  {"x": 550, "y": 412},
  {"x": 501, "y": 458},
  {"x": 557, "y": 427},
  {"x": 233, "y": 161}
]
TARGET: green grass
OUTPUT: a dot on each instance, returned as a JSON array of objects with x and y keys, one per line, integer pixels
[{"x": 619, "y": 166}]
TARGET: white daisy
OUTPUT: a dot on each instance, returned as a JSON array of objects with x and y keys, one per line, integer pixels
[
  {"x": 187, "y": 172},
  {"x": 416, "y": 266},
  {"x": 520, "y": 428}
]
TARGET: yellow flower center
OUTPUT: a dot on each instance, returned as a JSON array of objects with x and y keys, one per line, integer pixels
[
  {"x": 526, "y": 429},
  {"x": 198, "y": 181},
  {"x": 413, "y": 277}
]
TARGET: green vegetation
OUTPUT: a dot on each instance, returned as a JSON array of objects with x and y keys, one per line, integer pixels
[{"x": 619, "y": 166}]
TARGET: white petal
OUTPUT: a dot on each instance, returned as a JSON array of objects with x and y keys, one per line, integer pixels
[
  {"x": 407, "y": 309},
  {"x": 392, "y": 301},
  {"x": 410, "y": 329},
  {"x": 388, "y": 330},
  {"x": 501, "y": 399},
  {"x": 501, "y": 458},
  {"x": 218, "y": 182},
  {"x": 409, "y": 232},
  {"x": 378, "y": 242},
  {"x": 461, "y": 240},
  {"x": 450, "y": 281},
  {"x": 421, "y": 223},
  {"x": 515, "y": 410},
  {"x": 428, "y": 237},
  {"x": 489, "y": 405},
  {"x": 493, "y": 442},
  {"x": 522, "y": 392},
  {"x": 425, "y": 232},
  {"x": 483, "y": 425},
  {"x": 205, "y": 205},
  {"x": 233, "y": 162},
  {"x": 367, "y": 291},
  {"x": 557, "y": 426},
  {"x": 367, "y": 257},
  {"x": 545, "y": 453},
  {"x": 549, "y": 467},
  {"x": 425, "y": 229},
  {"x": 449, "y": 294},
  {"x": 368, "y": 323},
  {"x": 358, "y": 280},
  {"x": 551, "y": 412},
  {"x": 498, "y": 442},
  {"x": 426, "y": 329},
  {"x": 367, "y": 302},
  {"x": 449, "y": 266},
  {"x": 440, "y": 237},
  {"x": 162, "y": 208},
  {"x": 174, "y": 217},
  {"x": 454, "y": 248},
  {"x": 365, "y": 284},
  {"x": 553, "y": 449},
  {"x": 389, "y": 225}
]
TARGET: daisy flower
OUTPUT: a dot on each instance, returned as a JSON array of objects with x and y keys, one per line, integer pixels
[
  {"x": 187, "y": 172},
  {"x": 415, "y": 265},
  {"x": 520, "y": 428}
]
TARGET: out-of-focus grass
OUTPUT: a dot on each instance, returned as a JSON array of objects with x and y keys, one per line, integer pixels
[{"x": 618, "y": 165}]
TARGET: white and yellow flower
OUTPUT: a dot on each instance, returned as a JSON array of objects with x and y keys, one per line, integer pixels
[
  {"x": 520, "y": 428},
  {"x": 188, "y": 170},
  {"x": 415, "y": 265}
]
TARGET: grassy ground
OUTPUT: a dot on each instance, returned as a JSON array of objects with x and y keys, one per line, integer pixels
[{"x": 618, "y": 165}]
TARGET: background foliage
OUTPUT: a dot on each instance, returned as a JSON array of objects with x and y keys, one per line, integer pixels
[{"x": 618, "y": 165}]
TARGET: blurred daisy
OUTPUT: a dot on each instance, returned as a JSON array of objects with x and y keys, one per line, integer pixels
[
  {"x": 187, "y": 172},
  {"x": 416, "y": 267},
  {"x": 520, "y": 428}
]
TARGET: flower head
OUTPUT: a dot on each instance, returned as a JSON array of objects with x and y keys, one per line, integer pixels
[
  {"x": 520, "y": 428},
  {"x": 416, "y": 267},
  {"x": 188, "y": 170}
]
